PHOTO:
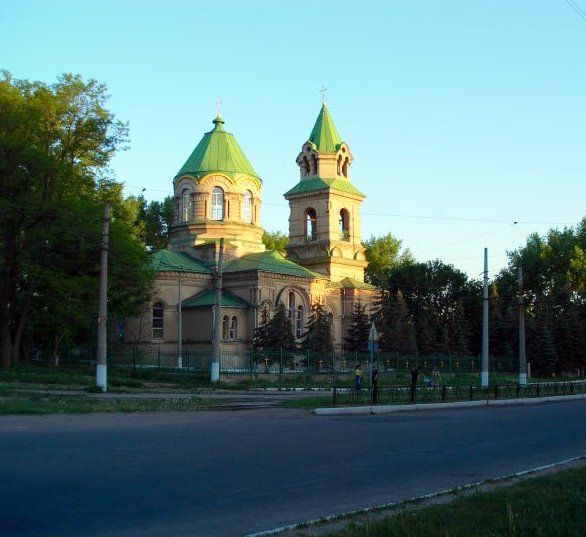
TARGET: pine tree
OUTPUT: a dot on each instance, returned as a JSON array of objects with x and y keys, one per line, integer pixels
[
  {"x": 359, "y": 329},
  {"x": 275, "y": 333},
  {"x": 318, "y": 337},
  {"x": 397, "y": 333}
]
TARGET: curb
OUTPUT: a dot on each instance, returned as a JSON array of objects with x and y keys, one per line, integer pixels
[
  {"x": 429, "y": 496},
  {"x": 391, "y": 409}
]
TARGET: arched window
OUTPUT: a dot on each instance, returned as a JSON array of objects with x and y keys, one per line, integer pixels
[
  {"x": 291, "y": 306},
  {"x": 234, "y": 328},
  {"x": 344, "y": 225},
  {"x": 158, "y": 320},
  {"x": 246, "y": 208},
  {"x": 185, "y": 205},
  {"x": 217, "y": 212},
  {"x": 311, "y": 225},
  {"x": 299, "y": 322},
  {"x": 305, "y": 166},
  {"x": 339, "y": 165},
  {"x": 225, "y": 327},
  {"x": 345, "y": 167}
]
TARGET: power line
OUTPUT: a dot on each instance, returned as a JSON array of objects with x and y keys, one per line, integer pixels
[{"x": 577, "y": 9}]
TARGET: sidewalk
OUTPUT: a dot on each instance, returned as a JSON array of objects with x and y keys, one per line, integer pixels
[{"x": 391, "y": 409}]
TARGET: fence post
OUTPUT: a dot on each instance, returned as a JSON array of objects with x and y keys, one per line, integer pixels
[
  {"x": 334, "y": 397},
  {"x": 281, "y": 368},
  {"x": 443, "y": 393},
  {"x": 517, "y": 392},
  {"x": 308, "y": 363},
  {"x": 538, "y": 385},
  {"x": 159, "y": 357},
  {"x": 471, "y": 393},
  {"x": 496, "y": 391}
]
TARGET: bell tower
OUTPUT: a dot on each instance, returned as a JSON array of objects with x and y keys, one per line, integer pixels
[{"x": 324, "y": 221}]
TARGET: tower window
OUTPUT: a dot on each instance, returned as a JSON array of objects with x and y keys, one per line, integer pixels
[
  {"x": 310, "y": 225},
  {"x": 225, "y": 327},
  {"x": 345, "y": 167},
  {"x": 246, "y": 208},
  {"x": 344, "y": 225},
  {"x": 185, "y": 205},
  {"x": 299, "y": 322},
  {"x": 339, "y": 165},
  {"x": 217, "y": 212},
  {"x": 158, "y": 320}
]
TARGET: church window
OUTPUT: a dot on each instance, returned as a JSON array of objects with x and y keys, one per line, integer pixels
[
  {"x": 345, "y": 167},
  {"x": 185, "y": 205},
  {"x": 339, "y": 165},
  {"x": 310, "y": 225},
  {"x": 305, "y": 166},
  {"x": 234, "y": 328},
  {"x": 299, "y": 322},
  {"x": 246, "y": 209},
  {"x": 314, "y": 165},
  {"x": 225, "y": 327},
  {"x": 217, "y": 212},
  {"x": 344, "y": 225},
  {"x": 158, "y": 320},
  {"x": 291, "y": 306}
]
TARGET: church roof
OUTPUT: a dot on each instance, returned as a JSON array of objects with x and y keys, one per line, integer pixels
[
  {"x": 270, "y": 261},
  {"x": 325, "y": 136},
  {"x": 208, "y": 298},
  {"x": 218, "y": 151},
  {"x": 170, "y": 261},
  {"x": 351, "y": 283},
  {"x": 312, "y": 185}
]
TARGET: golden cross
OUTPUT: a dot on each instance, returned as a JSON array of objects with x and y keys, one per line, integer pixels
[{"x": 323, "y": 90}]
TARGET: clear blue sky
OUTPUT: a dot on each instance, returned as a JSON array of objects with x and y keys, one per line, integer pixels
[{"x": 470, "y": 109}]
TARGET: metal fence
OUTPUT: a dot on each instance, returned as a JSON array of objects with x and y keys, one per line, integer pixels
[
  {"x": 392, "y": 395},
  {"x": 298, "y": 362}
]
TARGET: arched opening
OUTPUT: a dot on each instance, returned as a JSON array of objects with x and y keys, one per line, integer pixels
[
  {"x": 314, "y": 165},
  {"x": 305, "y": 166},
  {"x": 299, "y": 323},
  {"x": 185, "y": 205},
  {"x": 225, "y": 327},
  {"x": 339, "y": 165},
  {"x": 217, "y": 206},
  {"x": 291, "y": 308},
  {"x": 234, "y": 329},
  {"x": 345, "y": 167},
  {"x": 344, "y": 225},
  {"x": 246, "y": 207},
  {"x": 158, "y": 322},
  {"x": 310, "y": 225}
]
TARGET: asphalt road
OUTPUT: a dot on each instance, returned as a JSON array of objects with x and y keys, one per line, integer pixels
[{"x": 233, "y": 473}]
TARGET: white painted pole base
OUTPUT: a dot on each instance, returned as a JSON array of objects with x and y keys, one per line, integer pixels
[
  {"x": 215, "y": 371},
  {"x": 484, "y": 379},
  {"x": 102, "y": 377},
  {"x": 180, "y": 362},
  {"x": 522, "y": 379}
]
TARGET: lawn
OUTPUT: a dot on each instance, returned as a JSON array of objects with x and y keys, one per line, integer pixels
[{"x": 552, "y": 505}]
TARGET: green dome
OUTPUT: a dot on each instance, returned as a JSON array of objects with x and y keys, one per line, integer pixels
[
  {"x": 324, "y": 135},
  {"x": 217, "y": 152}
]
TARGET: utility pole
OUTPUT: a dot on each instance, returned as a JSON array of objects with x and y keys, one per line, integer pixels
[
  {"x": 522, "y": 356},
  {"x": 101, "y": 358},
  {"x": 484, "y": 373},
  {"x": 217, "y": 317},
  {"x": 179, "y": 329}
]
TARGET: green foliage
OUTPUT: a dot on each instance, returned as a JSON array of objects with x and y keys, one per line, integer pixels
[
  {"x": 274, "y": 333},
  {"x": 154, "y": 220},
  {"x": 318, "y": 337},
  {"x": 358, "y": 331},
  {"x": 395, "y": 325},
  {"x": 383, "y": 253},
  {"x": 275, "y": 240},
  {"x": 55, "y": 145}
]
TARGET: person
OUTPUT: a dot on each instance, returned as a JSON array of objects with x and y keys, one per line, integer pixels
[
  {"x": 414, "y": 377},
  {"x": 374, "y": 378},
  {"x": 357, "y": 378},
  {"x": 436, "y": 379}
]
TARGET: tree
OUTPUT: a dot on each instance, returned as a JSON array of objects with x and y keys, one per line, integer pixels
[
  {"x": 275, "y": 240},
  {"x": 395, "y": 326},
  {"x": 318, "y": 337},
  {"x": 382, "y": 253},
  {"x": 359, "y": 329},
  {"x": 154, "y": 220},
  {"x": 275, "y": 333},
  {"x": 55, "y": 145}
]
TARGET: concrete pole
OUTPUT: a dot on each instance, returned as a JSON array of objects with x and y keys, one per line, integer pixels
[
  {"x": 102, "y": 352},
  {"x": 522, "y": 356},
  {"x": 484, "y": 373},
  {"x": 179, "y": 329},
  {"x": 215, "y": 377}
]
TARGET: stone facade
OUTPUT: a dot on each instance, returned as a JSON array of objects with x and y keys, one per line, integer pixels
[{"x": 218, "y": 195}]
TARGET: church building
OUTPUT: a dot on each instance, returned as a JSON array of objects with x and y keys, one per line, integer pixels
[{"x": 218, "y": 195}]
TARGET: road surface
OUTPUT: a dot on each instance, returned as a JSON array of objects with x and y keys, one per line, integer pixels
[{"x": 233, "y": 473}]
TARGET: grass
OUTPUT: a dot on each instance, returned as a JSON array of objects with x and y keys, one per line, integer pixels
[
  {"x": 544, "y": 506},
  {"x": 37, "y": 404}
]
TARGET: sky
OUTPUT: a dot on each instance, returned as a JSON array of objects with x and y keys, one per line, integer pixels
[{"x": 463, "y": 116}]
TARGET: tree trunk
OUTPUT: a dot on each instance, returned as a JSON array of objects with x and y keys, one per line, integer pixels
[
  {"x": 6, "y": 346},
  {"x": 55, "y": 354}
]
